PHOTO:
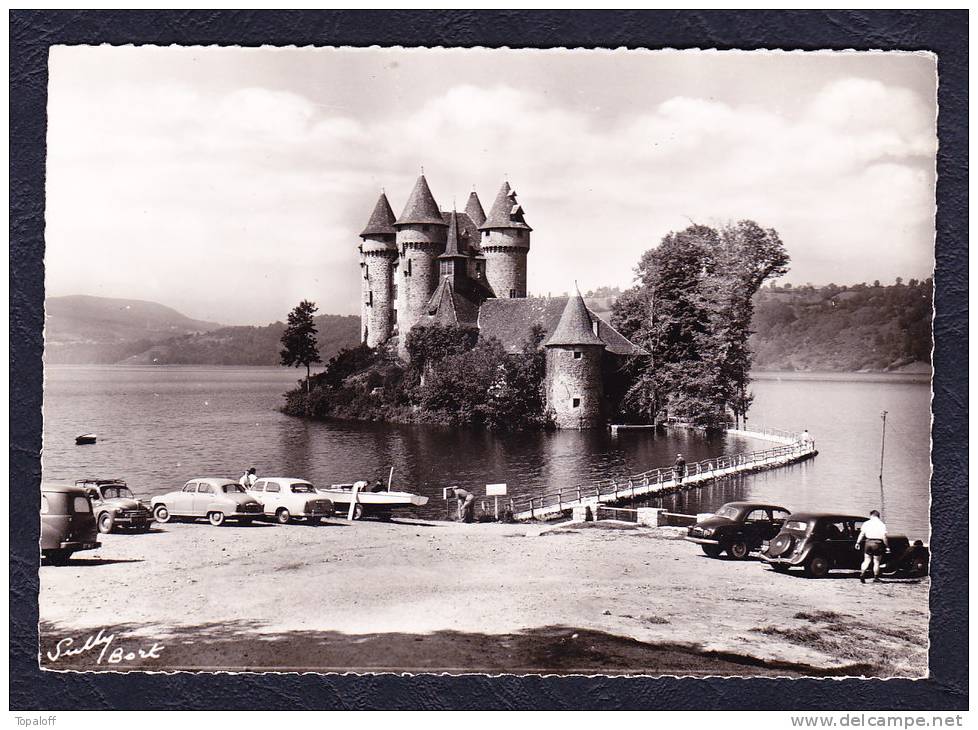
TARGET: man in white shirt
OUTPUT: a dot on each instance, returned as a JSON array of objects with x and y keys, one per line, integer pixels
[
  {"x": 249, "y": 478},
  {"x": 873, "y": 532}
]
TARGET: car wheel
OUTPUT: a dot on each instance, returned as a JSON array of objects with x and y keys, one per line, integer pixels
[
  {"x": 817, "y": 567},
  {"x": 919, "y": 566},
  {"x": 779, "y": 567},
  {"x": 711, "y": 551},
  {"x": 738, "y": 549},
  {"x": 216, "y": 518},
  {"x": 283, "y": 516},
  {"x": 105, "y": 522},
  {"x": 161, "y": 514},
  {"x": 58, "y": 557}
]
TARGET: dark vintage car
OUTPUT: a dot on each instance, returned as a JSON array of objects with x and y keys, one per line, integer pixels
[
  {"x": 738, "y": 528},
  {"x": 820, "y": 542},
  {"x": 115, "y": 505},
  {"x": 67, "y": 522}
]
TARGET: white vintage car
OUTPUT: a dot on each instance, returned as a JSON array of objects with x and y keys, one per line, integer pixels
[
  {"x": 285, "y": 498},
  {"x": 216, "y": 499}
]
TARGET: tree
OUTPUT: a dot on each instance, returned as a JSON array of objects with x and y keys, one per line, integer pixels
[
  {"x": 299, "y": 339},
  {"x": 692, "y": 311}
]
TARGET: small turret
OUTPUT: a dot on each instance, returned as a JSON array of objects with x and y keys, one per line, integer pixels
[
  {"x": 473, "y": 209},
  {"x": 505, "y": 243},
  {"x": 421, "y": 233},
  {"x": 574, "y": 384},
  {"x": 453, "y": 264},
  {"x": 378, "y": 253}
]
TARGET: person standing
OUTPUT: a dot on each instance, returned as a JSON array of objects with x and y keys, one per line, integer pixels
[
  {"x": 466, "y": 504},
  {"x": 249, "y": 478},
  {"x": 680, "y": 468},
  {"x": 874, "y": 543}
]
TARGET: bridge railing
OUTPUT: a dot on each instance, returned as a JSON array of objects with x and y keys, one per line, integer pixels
[{"x": 653, "y": 480}]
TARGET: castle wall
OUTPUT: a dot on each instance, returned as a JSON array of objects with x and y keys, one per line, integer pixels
[
  {"x": 569, "y": 378},
  {"x": 417, "y": 272},
  {"x": 505, "y": 251},
  {"x": 378, "y": 300}
]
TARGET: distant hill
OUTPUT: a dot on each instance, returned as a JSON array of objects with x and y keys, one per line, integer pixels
[
  {"x": 101, "y": 330},
  {"x": 849, "y": 328},
  {"x": 248, "y": 345}
]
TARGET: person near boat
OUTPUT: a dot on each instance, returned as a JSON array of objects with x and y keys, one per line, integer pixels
[
  {"x": 466, "y": 504},
  {"x": 874, "y": 543}
]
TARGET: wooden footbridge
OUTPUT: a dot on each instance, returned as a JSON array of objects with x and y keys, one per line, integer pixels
[{"x": 791, "y": 448}]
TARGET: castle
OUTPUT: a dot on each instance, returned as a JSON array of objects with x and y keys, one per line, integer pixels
[{"x": 468, "y": 268}]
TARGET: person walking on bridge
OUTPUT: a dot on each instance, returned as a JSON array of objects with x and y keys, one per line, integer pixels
[
  {"x": 873, "y": 534},
  {"x": 680, "y": 468}
]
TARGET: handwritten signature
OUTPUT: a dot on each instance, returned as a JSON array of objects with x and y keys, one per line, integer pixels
[{"x": 67, "y": 648}]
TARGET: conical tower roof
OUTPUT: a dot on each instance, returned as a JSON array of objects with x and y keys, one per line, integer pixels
[
  {"x": 381, "y": 220},
  {"x": 421, "y": 206},
  {"x": 455, "y": 243},
  {"x": 575, "y": 326},
  {"x": 473, "y": 209},
  {"x": 506, "y": 212}
]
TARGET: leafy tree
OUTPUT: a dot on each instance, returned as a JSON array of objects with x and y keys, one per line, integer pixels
[{"x": 299, "y": 339}]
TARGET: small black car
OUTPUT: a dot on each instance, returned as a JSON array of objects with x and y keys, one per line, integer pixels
[
  {"x": 738, "y": 528},
  {"x": 820, "y": 542}
]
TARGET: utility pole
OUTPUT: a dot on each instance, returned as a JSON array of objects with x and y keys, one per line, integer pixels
[{"x": 882, "y": 451}]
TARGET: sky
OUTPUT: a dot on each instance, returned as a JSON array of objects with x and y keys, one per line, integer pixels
[{"x": 230, "y": 183}]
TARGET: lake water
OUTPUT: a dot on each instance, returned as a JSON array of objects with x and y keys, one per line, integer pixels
[{"x": 159, "y": 426}]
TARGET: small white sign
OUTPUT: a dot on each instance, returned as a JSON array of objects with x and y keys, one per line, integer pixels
[{"x": 495, "y": 490}]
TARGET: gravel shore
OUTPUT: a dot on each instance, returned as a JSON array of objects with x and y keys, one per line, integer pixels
[{"x": 414, "y": 595}]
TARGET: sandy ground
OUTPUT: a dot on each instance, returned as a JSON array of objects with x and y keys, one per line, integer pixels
[{"x": 428, "y": 596}]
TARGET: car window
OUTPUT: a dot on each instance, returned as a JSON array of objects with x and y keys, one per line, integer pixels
[
  {"x": 857, "y": 526},
  {"x": 259, "y": 486},
  {"x": 836, "y": 530},
  {"x": 302, "y": 488},
  {"x": 93, "y": 493},
  {"x": 232, "y": 488},
  {"x": 780, "y": 514},
  {"x": 757, "y": 515},
  {"x": 191, "y": 487},
  {"x": 799, "y": 525},
  {"x": 205, "y": 489},
  {"x": 81, "y": 505},
  {"x": 728, "y": 512},
  {"x": 45, "y": 508},
  {"x": 272, "y": 487}
]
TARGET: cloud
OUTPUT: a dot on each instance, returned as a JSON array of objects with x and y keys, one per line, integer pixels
[{"x": 233, "y": 205}]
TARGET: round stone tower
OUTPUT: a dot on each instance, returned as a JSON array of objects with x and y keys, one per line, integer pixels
[
  {"x": 378, "y": 256},
  {"x": 421, "y": 232},
  {"x": 574, "y": 386},
  {"x": 505, "y": 244}
]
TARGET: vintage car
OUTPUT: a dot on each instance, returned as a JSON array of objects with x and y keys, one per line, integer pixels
[
  {"x": 284, "y": 498},
  {"x": 115, "y": 506},
  {"x": 67, "y": 522},
  {"x": 738, "y": 528},
  {"x": 820, "y": 542},
  {"x": 217, "y": 499}
]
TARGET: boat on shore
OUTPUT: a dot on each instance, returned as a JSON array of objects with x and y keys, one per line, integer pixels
[{"x": 369, "y": 503}]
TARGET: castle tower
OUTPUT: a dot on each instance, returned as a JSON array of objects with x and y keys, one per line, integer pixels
[
  {"x": 574, "y": 384},
  {"x": 421, "y": 233},
  {"x": 378, "y": 256},
  {"x": 505, "y": 243},
  {"x": 454, "y": 263}
]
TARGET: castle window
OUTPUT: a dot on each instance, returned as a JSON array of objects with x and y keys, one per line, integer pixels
[
  {"x": 577, "y": 354},
  {"x": 408, "y": 271},
  {"x": 576, "y": 402},
  {"x": 371, "y": 302},
  {"x": 512, "y": 294}
]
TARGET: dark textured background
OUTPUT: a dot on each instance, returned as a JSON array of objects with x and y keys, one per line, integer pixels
[{"x": 945, "y": 32}]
